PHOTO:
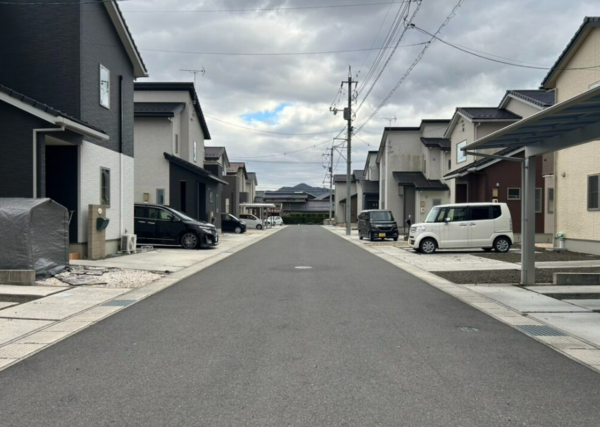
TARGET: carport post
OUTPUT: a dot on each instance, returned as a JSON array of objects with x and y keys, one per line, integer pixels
[{"x": 528, "y": 221}]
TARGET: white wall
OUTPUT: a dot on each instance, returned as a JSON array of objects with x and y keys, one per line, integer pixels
[{"x": 91, "y": 158}]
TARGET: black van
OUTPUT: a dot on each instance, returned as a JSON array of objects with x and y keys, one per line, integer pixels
[
  {"x": 162, "y": 225},
  {"x": 377, "y": 224},
  {"x": 231, "y": 223}
]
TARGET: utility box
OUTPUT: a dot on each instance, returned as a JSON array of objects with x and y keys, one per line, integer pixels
[{"x": 35, "y": 239}]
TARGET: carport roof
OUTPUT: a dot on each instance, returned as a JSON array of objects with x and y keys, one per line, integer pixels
[
  {"x": 418, "y": 180},
  {"x": 569, "y": 123},
  {"x": 191, "y": 167}
]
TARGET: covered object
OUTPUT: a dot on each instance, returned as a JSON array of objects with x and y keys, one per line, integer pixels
[{"x": 34, "y": 235}]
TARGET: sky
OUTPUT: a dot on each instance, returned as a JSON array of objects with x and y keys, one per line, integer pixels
[{"x": 267, "y": 85}]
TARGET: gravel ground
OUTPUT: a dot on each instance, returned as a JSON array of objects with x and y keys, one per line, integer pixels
[
  {"x": 113, "y": 277},
  {"x": 542, "y": 275},
  {"x": 540, "y": 256}
]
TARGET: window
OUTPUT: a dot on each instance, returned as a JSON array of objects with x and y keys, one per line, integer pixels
[
  {"x": 160, "y": 196},
  {"x": 152, "y": 213},
  {"x": 165, "y": 215},
  {"x": 513, "y": 194},
  {"x": 105, "y": 186},
  {"x": 456, "y": 214},
  {"x": 436, "y": 215},
  {"x": 139, "y": 212},
  {"x": 550, "y": 199},
  {"x": 449, "y": 164},
  {"x": 195, "y": 152},
  {"x": 480, "y": 213},
  {"x": 176, "y": 144},
  {"x": 460, "y": 154},
  {"x": 496, "y": 212},
  {"x": 104, "y": 87},
  {"x": 425, "y": 166},
  {"x": 437, "y": 202},
  {"x": 183, "y": 196},
  {"x": 539, "y": 206},
  {"x": 593, "y": 203}
]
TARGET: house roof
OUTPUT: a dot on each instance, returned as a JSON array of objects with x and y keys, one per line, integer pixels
[
  {"x": 309, "y": 206},
  {"x": 235, "y": 166},
  {"x": 343, "y": 201},
  {"x": 52, "y": 115},
  {"x": 213, "y": 152},
  {"x": 178, "y": 86},
  {"x": 589, "y": 23},
  {"x": 325, "y": 196},
  {"x": 369, "y": 187},
  {"x": 487, "y": 113},
  {"x": 157, "y": 109},
  {"x": 193, "y": 168},
  {"x": 252, "y": 177},
  {"x": 442, "y": 143},
  {"x": 342, "y": 178},
  {"x": 116, "y": 16},
  {"x": 538, "y": 97},
  {"x": 418, "y": 180},
  {"x": 358, "y": 174},
  {"x": 482, "y": 163}
]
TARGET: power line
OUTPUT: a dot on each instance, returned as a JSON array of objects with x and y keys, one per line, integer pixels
[
  {"x": 264, "y": 9},
  {"x": 58, "y": 3},
  {"x": 266, "y": 131},
  {"x": 413, "y": 65}
]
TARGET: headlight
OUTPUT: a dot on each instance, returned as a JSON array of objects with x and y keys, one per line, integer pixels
[
  {"x": 243, "y": 222},
  {"x": 420, "y": 228},
  {"x": 206, "y": 228}
]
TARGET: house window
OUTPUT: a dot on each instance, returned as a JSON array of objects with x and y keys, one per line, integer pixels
[
  {"x": 538, "y": 201},
  {"x": 425, "y": 167},
  {"x": 104, "y": 87},
  {"x": 176, "y": 144},
  {"x": 550, "y": 199},
  {"x": 449, "y": 164},
  {"x": 460, "y": 154},
  {"x": 160, "y": 196},
  {"x": 195, "y": 152},
  {"x": 437, "y": 202},
  {"x": 513, "y": 194},
  {"x": 105, "y": 186},
  {"x": 593, "y": 203}
]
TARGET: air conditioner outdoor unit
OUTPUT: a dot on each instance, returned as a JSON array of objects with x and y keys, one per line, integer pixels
[{"x": 128, "y": 243}]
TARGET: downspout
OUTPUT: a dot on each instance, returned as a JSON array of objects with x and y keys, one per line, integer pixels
[
  {"x": 122, "y": 231},
  {"x": 386, "y": 148},
  {"x": 35, "y": 139}
]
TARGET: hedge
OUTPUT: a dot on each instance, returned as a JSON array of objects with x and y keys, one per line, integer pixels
[{"x": 304, "y": 218}]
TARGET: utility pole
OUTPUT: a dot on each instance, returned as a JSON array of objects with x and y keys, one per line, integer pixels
[
  {"x": 331, "y": 186},
  {"x": 348, "y": 118}
]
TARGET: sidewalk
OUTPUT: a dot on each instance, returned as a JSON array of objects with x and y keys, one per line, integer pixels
[
  {"x": 58, "y": 312},
  {"x": 570, "y": 327}
]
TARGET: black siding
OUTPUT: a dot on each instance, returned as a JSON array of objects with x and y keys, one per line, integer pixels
[{"x": 232, "y": 192}]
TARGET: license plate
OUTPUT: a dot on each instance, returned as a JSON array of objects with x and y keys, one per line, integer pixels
[{"x": 381, "y": 234}]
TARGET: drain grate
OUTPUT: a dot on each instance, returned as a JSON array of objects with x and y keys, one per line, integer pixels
[
  {"x": 119, "y": 303},
  {"x": 540, "y": 331}
]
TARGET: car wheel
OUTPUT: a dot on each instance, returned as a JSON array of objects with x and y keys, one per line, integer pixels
[
  {"x": 395, "y": 239},
  {"x": 371, "y": 236},
  {"x": 427, "y": 246},
  {"x": 189, "y": 241},
  {"x": 360, "y": 237},
  {"x": 259, "y": 227},
  {"x": 501, "y": 244},
  {"x": 237, "y": 230}
]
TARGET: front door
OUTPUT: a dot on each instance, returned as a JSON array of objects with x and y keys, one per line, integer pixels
[{"x": 455, "y": 232}]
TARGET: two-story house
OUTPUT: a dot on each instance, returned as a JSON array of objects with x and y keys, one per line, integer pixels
[
  {"x": 487, "y": 179},
  {"x": 66, "y": 112},
  {"x": 410, "y": 161},
  {"x": 236, "y": 192},
  {"x": 170, "y": 130},
  {"x": 251, "y": 185},
  {"x": 367, "y": 184},
  {"x": 340, "y": 198}
]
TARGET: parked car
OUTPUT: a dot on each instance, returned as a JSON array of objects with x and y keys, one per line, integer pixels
[
  {"x": 252, "y": 221},
  {"x": 232, "y": 223},
  {"x": 465, "y": 225},
  {"x": 162, "y": 225},
  {"x": 377, "y": 224},
  {"x": 275, "y": 220}
]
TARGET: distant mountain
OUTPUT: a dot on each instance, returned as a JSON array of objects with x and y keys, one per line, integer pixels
[{"x": 317, "y": 191}]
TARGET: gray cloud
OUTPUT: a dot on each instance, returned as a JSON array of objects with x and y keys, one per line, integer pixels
[{"x": 522, "y": 30}]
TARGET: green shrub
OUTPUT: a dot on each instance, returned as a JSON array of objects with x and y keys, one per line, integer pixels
[{"x": 301, "y": 218}]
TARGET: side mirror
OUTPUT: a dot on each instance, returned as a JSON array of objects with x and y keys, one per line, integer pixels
[{"x": 447, "y": 220}]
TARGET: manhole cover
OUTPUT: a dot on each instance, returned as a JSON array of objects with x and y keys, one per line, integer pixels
[
  {"x": 468, "y": 329},
  {"x": 303, "y": 267}
]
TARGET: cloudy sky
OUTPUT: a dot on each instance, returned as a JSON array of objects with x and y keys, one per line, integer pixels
[{"x": 290, "y": 93}]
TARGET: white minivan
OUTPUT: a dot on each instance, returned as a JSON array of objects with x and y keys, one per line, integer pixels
[{"x": 464, "y": 225}]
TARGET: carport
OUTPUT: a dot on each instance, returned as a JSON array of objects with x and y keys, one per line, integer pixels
[
  {"x": 259, "y": 206},
  {"x": 572, "y": 122}
]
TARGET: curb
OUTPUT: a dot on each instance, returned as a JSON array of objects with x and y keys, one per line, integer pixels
[
  {"x": 573, "y": 347},
  {"x": 20, "y": 348}
]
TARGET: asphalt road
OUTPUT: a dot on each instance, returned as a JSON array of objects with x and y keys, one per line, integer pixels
[{"x": 254, "y": 341}]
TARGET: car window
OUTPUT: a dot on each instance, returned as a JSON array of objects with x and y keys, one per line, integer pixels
[
  {"x": 165, "y": 215},
  {"x": 456, "y": 214},
  {"x": 496, "y": 212},
  {"x": 152, "y": 213},
  {"x": 140, "y": 212},
  {"x": 436, "y": 215},
  {"x": 480, "y": 213},
  {"x": 381, "y": 216}
]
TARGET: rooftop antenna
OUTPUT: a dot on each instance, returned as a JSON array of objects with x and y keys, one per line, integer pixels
[
  {"x": 195, "y": 72},
  {"x": 391, "y": 120}
]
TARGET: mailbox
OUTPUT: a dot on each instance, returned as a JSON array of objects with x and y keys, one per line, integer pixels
[{"x": 102, "y": 223}]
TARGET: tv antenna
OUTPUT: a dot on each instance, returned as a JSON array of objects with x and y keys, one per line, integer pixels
[
  {"x": 391, "y": 120},
  {"x": 196, "y": 72}
]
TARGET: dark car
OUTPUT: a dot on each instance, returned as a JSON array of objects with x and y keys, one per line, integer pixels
[
  {"x": 231, "y": 223},
  {"x": 377, "y": 224},
  {"x": 162, "y": 225}
]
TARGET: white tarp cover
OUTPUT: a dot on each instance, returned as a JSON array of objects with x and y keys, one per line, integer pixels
[{"x": 34, "y": 235}]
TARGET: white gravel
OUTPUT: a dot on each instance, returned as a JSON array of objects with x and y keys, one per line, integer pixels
[{"x": 114, "y": 278}]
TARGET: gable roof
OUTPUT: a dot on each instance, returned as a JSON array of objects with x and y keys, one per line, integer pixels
[
  {"x": 442, "y": 143},
  {"x": 538, "y": 97},
  {"x": 588, "y": 24},
  {"x": 483, "y": 163},
  {"x": 480, "y": 114},
  {"x": 193, "y": 168},
  {"x": 178, "y": 86},
  {"x": 49, "y": 114},
  {"x": 116, "y": 16},
  {"x": 213, "y": 153},
  {"x": 342, "y": 178},
  {"x": 235, "y": 166},
  {"x": 358, "y": 174},
  {"x": 157, "y": 109},
  {"x": 418, "y": 180},
  {"x": 369, "y": 187}
]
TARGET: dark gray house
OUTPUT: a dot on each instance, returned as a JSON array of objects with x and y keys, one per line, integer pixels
[
  {"x": 170, "y": 130},
  {"x": 66, "y": 111},
  {"x": 236, "y": 192}
]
